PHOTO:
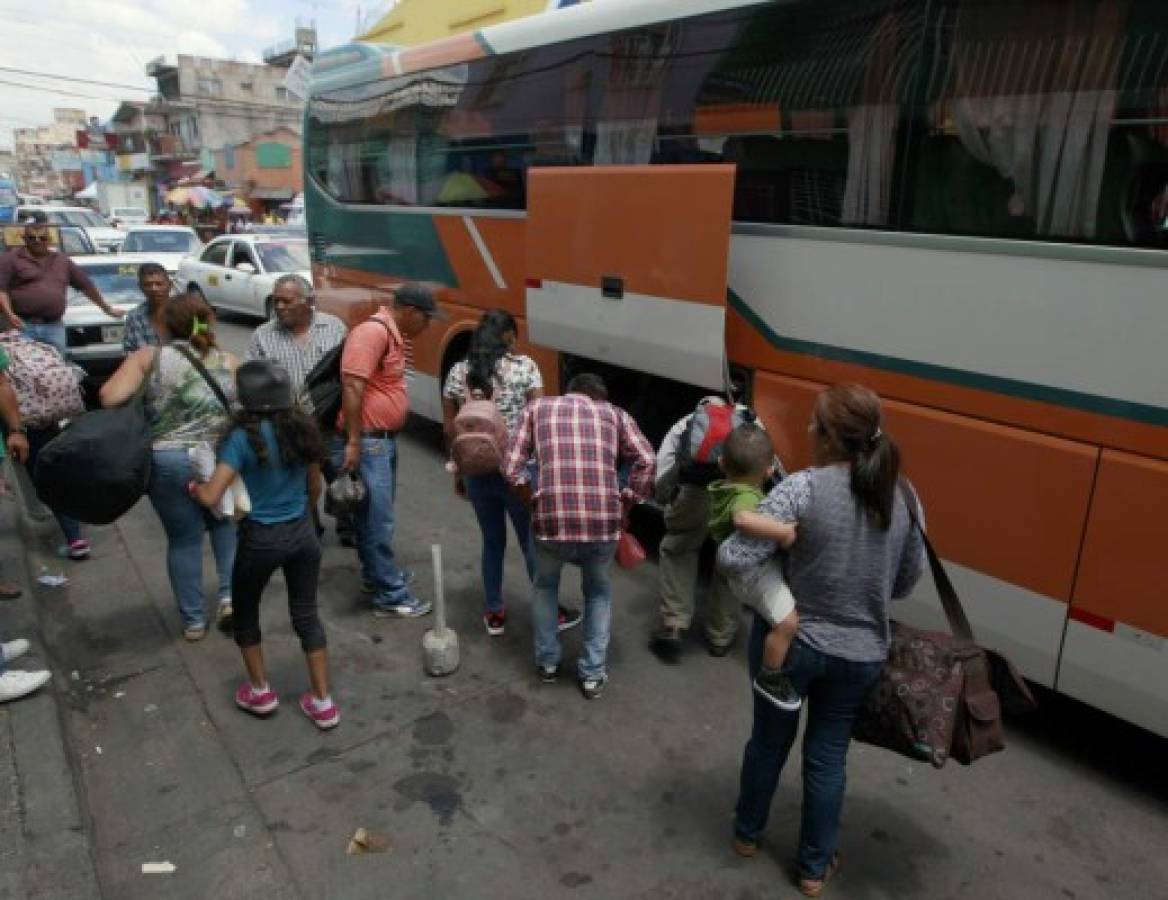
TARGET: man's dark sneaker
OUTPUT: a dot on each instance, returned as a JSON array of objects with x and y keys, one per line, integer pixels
[
  {"x": 715, "y": 649},
  {"x": 775, "y": 687},
  {"x": 568, "y": 618},
  {"x": 494, "y": 622},
  {"x": 665, "y": 642},
  {"x": 548, "y": 674},
  {"x": 593, "y": 687}
]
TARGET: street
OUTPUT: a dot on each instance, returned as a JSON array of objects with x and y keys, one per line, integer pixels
[{"x": 487, "y": 783}]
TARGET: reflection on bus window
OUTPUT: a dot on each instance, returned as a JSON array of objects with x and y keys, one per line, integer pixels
[{"x": 1045, "y": 120}]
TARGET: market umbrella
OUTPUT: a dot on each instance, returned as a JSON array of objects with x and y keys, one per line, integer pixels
[
  {"x": 203, "y": 198},
  {"x": 178, "y": 196}
]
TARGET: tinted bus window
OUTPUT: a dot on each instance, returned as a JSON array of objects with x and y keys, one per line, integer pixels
[
  {"x": 461, "y": 136},
  {"x": 1045, "y": 120}
]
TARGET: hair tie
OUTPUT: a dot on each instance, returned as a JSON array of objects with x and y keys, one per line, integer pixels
[
  {"x": 198, "y": 326},
  {"x": 876, "y": 435}
]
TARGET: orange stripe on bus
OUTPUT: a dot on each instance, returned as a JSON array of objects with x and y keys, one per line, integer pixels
[
  {"x": 447, "y": 51},
  {"x": 1124, "y": 571},
  {"x": 1003, "y": 501}
]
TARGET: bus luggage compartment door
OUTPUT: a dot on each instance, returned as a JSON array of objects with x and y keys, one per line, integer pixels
[{"x": 627, "y": 264}]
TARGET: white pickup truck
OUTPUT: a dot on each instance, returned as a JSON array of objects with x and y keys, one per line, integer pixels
[{"x": 237, "y": 272}]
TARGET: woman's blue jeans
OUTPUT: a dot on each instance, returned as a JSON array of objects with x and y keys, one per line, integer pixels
[
  {"x": 834, "y": 689},
  {"x": 37, "y": 438},
  {"x": 493, "y": 504},
  {"x": 185, "y": 522}
]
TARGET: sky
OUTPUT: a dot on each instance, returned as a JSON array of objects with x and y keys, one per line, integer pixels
[{"x": 112, "y": 40}]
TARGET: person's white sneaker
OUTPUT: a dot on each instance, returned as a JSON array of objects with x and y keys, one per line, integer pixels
[
  {"x": 11, "y": 650},
  {"x": 16, "y": 684}
]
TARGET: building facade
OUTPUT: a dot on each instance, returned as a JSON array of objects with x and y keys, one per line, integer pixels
[{"x": 265, "y": 171}]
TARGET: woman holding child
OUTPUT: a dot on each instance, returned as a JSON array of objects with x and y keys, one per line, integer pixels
[{"x": 856, "y": 548}]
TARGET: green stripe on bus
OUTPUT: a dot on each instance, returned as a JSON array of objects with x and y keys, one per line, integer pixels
[
  {"x": 1108, "y": 406},
  {"x": 484, "y": 43}
]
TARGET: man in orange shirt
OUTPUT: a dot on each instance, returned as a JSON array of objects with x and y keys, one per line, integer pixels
[{"x": 374, "y": 407}]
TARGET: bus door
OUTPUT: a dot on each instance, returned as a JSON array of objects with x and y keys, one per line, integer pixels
[{"x": 627, "y": 265}]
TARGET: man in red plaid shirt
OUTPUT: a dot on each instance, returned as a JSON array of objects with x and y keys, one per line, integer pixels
[{"x": 578, "y": 441}]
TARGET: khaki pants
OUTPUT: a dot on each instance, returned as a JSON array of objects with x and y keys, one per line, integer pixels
[{"x": 686, "y": 526}]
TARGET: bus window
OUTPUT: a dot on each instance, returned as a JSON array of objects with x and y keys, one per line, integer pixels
[
  {"x": 467, "y": 145},
  {"x": 1044, "y": 120},
  {"x": 805, "y": 98}
]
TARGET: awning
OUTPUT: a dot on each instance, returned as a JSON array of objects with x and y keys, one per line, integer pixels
[{"x": 272, "y": 194}]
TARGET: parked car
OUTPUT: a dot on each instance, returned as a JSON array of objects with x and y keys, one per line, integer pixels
[
  {"x": 93, "y": 338},
  {"x": 237, "y": 272},
  {"x": 74, "y": 241},
  {"x": 123, "y": 217},
  {"x": 166, "y": 244},
  {"x": 105, "y": 238}
]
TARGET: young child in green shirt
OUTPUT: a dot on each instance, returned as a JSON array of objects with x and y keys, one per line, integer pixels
[{"x": 748, "y": 461}]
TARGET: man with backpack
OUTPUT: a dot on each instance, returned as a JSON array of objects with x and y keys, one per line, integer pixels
[
  {"x": 686, "y": 464},
  {"x": 374, "y": 406},
  {"x": 300, "y": 335}
]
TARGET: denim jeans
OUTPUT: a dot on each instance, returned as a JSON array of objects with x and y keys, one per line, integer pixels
[
  {"x": 595, "y": 562},
  {"x": 374, "y": 520},
  {"x": 48, "y": 333},
  {"x": 493, "y": 503},
  {"x": 37, "y": 438},
  {"x": 834, "y": 689},
  {"x": 185, "y": 522}
]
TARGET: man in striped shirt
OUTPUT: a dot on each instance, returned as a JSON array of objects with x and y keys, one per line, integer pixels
[
  {"x": 300, "y": 335},
  {"x": 579, "y": 442}
]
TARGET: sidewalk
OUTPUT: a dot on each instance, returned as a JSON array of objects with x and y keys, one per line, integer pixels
[
  {"x": 488, "y": 784},
  {"x": 45, "y": 851}
]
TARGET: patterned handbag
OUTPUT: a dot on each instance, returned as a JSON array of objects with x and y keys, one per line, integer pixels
[
  {"x": 938, "y": 696},
  {"x": 48, "y": 387}
]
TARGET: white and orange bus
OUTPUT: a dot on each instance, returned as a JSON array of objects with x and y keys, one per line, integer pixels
[{"x": 960, "y": 203}]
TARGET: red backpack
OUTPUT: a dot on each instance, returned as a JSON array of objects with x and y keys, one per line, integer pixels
[
  {"x": 479, "y": 437},
  {"x": 703, "y": 439}
]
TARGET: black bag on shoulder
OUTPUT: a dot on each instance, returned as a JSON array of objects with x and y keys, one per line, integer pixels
[
  {"x": 99, "y": 467},
  {"x": 322, "y": 391}
]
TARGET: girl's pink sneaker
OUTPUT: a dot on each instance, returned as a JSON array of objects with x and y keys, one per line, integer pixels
[
  {"x": 258, "y": 703},
  {"x": 324, "y": 719}
]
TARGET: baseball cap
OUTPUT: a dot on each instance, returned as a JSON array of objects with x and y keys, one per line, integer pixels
[{"x": 420, "y": 297}]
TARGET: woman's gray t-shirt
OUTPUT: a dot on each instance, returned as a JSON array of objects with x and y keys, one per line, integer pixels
[{"x": 843, "y": 568}]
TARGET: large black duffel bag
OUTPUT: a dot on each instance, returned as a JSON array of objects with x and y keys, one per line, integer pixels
[{"x": 99, "y": 466}]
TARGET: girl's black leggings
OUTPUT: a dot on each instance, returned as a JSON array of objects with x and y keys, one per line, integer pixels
[{"x": 292, "y": 546}]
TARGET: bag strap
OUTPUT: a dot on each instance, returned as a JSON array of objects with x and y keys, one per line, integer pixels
[
  {"x": 214, "y": 385},
  {"x": 950, "y": 602}
]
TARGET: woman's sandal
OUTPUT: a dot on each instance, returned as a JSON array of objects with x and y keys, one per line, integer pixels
[{"x": 813, "y": 887}]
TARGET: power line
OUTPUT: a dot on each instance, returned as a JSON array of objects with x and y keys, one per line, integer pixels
[
  {"x": 129, "y": 87},
  {"x": 36, "y": 87}
]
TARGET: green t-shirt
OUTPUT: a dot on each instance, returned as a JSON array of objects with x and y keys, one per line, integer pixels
[
  {"x": 5, "y": 362},
  {"x": 726, "y": 499}
]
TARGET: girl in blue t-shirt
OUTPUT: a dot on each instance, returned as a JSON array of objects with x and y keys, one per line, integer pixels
[{"x": 276, "y": 450}]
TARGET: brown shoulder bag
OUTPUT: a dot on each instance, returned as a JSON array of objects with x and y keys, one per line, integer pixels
[{"x": 940, "y": 695}]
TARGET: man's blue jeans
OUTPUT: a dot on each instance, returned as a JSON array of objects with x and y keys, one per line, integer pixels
[
  {"x": 185, "y": 522},
  {"x": 834, "y": 689},
  {"x": 595, "y": 562},
  {"x": 48, "y": 333},
  {"x": 374, "y": 520},
  {"x": 493, "y": 503}
]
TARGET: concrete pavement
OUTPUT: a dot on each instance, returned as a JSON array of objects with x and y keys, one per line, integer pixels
[{"x": 488, "y": 783}]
